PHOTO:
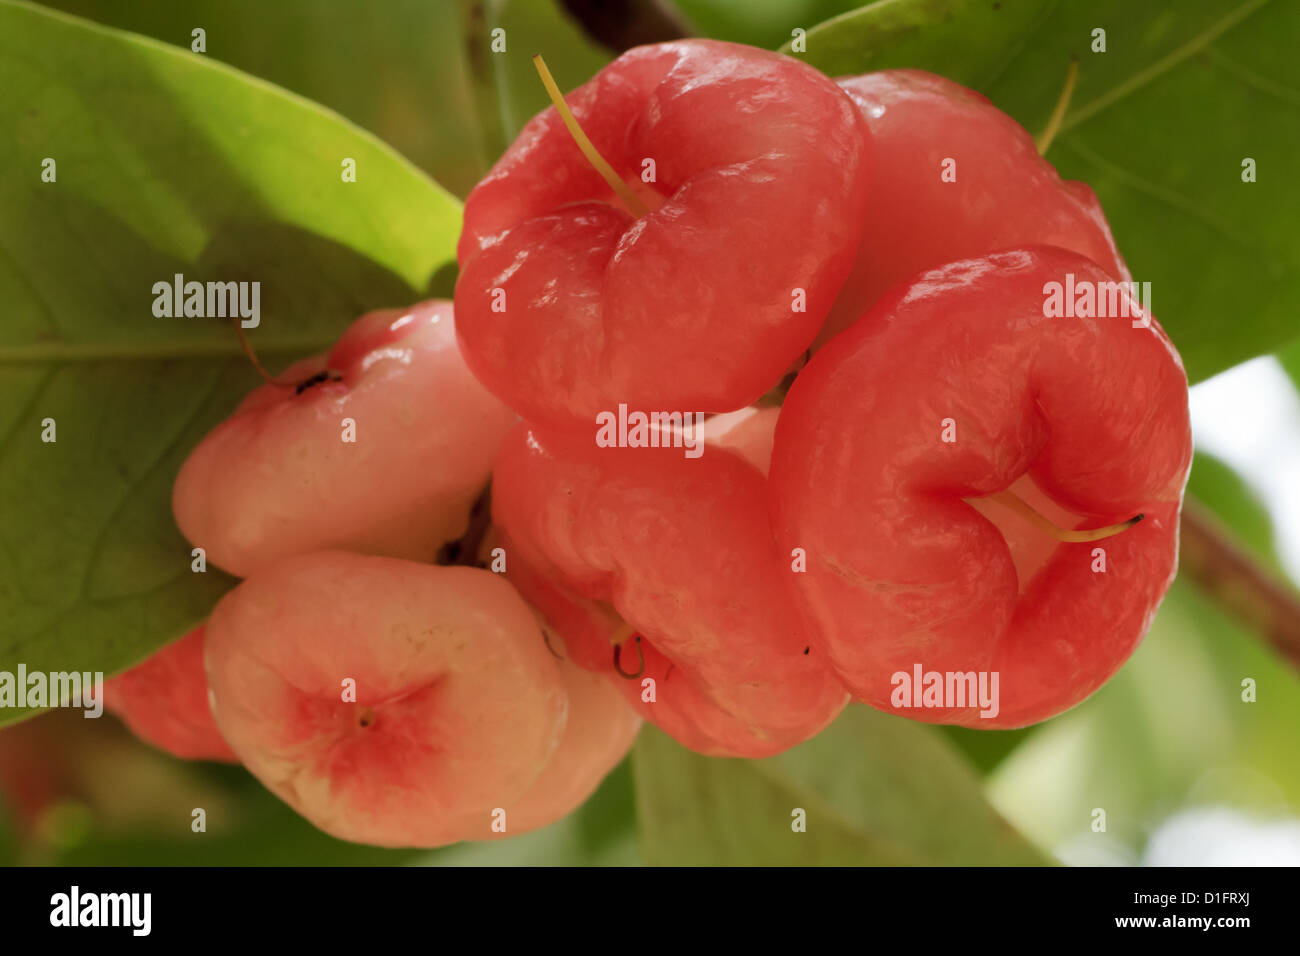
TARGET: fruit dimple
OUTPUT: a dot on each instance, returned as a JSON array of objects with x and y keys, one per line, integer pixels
[
  {"x": 761, "y": 163},
  {"x": 933, "y": 583},
  {"x": 303, "y": 654}
]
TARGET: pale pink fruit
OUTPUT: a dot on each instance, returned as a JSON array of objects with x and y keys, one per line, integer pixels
[
  {"x": 600, "y": 731},
  {"x": 277, "y": 478},
  {"x": 458, "y": 704}
]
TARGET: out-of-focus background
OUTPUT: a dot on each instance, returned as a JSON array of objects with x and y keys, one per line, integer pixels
[{"x": 1183, "y": 769}]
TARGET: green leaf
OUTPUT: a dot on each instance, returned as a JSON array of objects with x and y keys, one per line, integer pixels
[
  {"x": 765, "y": 23},
  {"x": 247, "y": 825},
  {"x": 396, "y": 68},
  {"x": 508, "y": 85},
  {"x": 167, "y": 162},
  {"x": 1159, "y": 125},
  {"x": 1169, "y": 731},
  {"x": 877, "y": 790},
  {"x": 966, "y": 40},
  {"x": 1290, "y": 359}
]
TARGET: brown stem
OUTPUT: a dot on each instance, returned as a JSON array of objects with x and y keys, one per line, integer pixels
[
  {"x": 247, "y": 346},
  {"x": 475, "y": 18},
  {"x": 622, "y": 24},
  {"x": 640, "y": 657},
  {"x": 1222, "y": 569}
]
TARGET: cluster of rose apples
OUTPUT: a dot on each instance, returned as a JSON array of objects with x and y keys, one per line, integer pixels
[{"x": 959, "y": 480}]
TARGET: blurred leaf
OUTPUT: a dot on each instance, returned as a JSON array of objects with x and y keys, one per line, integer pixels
[
  {"x": 257, "y": 829},
  {"x": 1222, "y": 490},
  {"x": 396, "y": 68},
  {"x": 167, "y": 163},
  {"x": 511, "y": 82},
  {"x": 765, "y": 23},
  {"x": 137, "y": 804},
  {"x": 1159, "y": 125},
  {"x": 985, "y": 749},
  {"x": 1169, "y": 731},
  {"x": 966, "y": 40},
  {"x": 877, "y": 789},
  {"x": 1290, "y": 359}
]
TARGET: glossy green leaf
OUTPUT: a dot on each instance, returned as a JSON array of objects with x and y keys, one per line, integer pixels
[
  {"x": 1160, "y": 125},
  {"x": 395, "y": 68},
  {"x": 166, "y": 162},
  {"x": 876, "y": 790}
]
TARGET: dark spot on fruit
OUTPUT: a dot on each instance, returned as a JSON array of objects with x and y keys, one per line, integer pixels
[
  {"x": 366, "y": 718},
  {"x": 322, "y": 376},
  {"x": 806, "y": 650}
]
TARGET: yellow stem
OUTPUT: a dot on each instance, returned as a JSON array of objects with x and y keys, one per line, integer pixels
[
  {"x": 1008, "y": 500},
  {"x": 597, "y": 161}
]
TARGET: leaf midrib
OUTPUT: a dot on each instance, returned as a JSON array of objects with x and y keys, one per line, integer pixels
[{"x": 1162, "y": 66}]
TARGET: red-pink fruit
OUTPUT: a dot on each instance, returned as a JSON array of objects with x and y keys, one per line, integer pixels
[
  {"x": 957, "y": 387},
  {"x": 458, "y": 705},
  {"x": 278, "y": 478},
  {"x": 164, "y": 701},
  {"x": 568, "y": 304},
  {"x": 926, "y": 130},
  {"x": 610, "y": 541}
]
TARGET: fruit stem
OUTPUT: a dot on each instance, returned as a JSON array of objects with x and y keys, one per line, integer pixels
[
  {"x": 618, "y": 652},
  {"x": 1008, "y": 500},
  {"x": 1044, "y": 140},
  {"x": 252, "y": 357},
  {"x": 546, "y": 639},
  {"x": 597, "y": 161}
]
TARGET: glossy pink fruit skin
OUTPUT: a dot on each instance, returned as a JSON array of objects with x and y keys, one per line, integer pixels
[
  {"x": 276, "y": 478},
  {"x": 164, "y": 701},
  {"x": 901, "y": 570},
  {"x": 467, "y": 706},
  {"x": 682, "y": 550},
  {"x": 1005, "y": 195},
  {"x": 761, "y": 181}
]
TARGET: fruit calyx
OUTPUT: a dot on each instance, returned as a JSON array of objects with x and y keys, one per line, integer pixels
[{"x": 1014, "y": 503}]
